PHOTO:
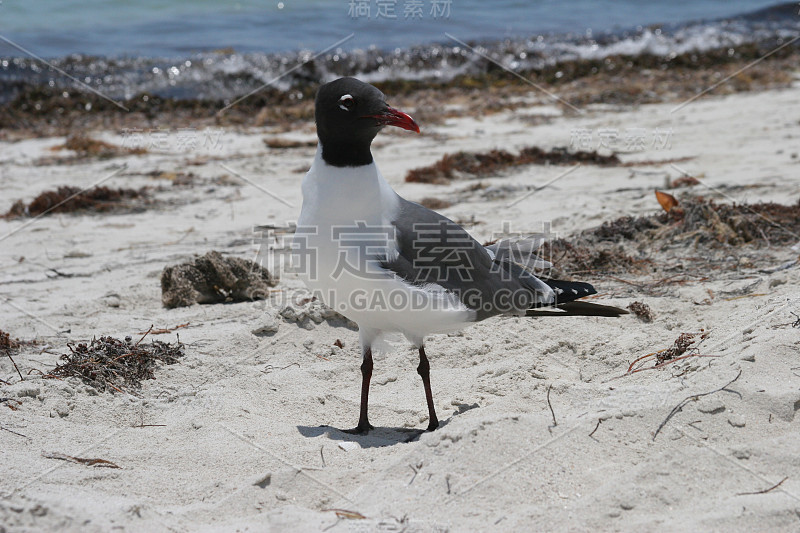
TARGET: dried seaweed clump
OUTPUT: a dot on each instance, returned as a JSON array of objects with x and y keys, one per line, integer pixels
[
  {"x": 705, "y": 221},
  {"x": 694, "y": 222},
  {"x": 87, "y": 147},
  {"x": 626, "y": 227},
  {"x": 213, "y": 278},
  {"x": 68, "y": 199},
  {"x": 581, "y": 256},
  {"x": 699, "y": 221},
  {"x": 109, "y": 363},
  {"x": 642, "y": 311},
  {"x": 684, "y": 343},
  {"x": 482, "y": 164},
  {"x": 282, "y": 143},
  {"x": 8, "y": 344},
  {"x": 684, "y": 181}
]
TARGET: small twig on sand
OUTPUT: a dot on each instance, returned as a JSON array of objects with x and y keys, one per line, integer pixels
[
  {"x": 21, "y": 435},
  {"x": 635, "y": 284},
  {"x": 145, "y": 335},
  {"x": 15, "y": 366},
  {"x": 599, "y": 421},
  {"x": 322, "y": 456},
  {"x": 347, "y": 515},
  {"x": 685, "y": 342},
  {"x": 10, "y": 403},
  {"x": 773, "y": 487},
  {"x": 416, "y": 471},
  {"x": 679, "y": 407},
  {"x": 551, "y": 406},
  {"x": 630, "y": 368},
  {"x": 80, "y": 460},
  {"x": 162, "y": 331},
  {"x": 743, "y": 296},
  {"x": 668, "y": 362}
]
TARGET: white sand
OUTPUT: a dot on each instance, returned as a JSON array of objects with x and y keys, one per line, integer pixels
[{"x": 234, "y": 443}]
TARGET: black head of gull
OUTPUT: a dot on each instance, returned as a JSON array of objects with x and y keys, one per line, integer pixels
[{"x": 349, "y": 114}]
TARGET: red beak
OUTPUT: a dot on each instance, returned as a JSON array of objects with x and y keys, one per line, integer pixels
[{"x": 395, "y": 117}]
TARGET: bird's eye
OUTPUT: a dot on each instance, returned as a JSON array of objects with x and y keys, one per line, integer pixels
[{"x": 346, "y": 102}]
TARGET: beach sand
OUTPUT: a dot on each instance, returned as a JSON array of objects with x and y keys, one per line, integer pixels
[{"x": 234, "y": 436}]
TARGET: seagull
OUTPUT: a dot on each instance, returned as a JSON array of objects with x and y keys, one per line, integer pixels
[{"x": 393, "y": 266}]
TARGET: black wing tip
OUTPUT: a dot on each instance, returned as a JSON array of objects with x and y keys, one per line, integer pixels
[{"x": 568, "y": 291}]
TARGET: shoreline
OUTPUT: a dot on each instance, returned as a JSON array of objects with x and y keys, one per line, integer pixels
[
  {"x": 225, "y": 72},
  {"x": 613, "y": 80}
]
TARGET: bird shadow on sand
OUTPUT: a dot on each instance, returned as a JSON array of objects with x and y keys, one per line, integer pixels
[{"x": 379, "y": 436}]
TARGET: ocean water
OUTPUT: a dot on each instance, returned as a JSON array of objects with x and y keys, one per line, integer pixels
[
  {"x": 218, "y": 49},
  {"x": 152, "y": 28}
]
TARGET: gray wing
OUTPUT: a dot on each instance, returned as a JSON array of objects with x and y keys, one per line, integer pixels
[{"x": 434, "y": 249}]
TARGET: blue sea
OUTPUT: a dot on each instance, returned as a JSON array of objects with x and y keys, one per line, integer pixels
[{"x": 207, "y": 48}]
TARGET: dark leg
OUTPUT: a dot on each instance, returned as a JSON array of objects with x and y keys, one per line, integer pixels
[
  {"x": 366, "y": 374},
  {"x": 424, "y": 370}
]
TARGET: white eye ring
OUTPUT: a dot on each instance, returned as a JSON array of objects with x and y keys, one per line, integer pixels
[{"x": 346, "y": 102}]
